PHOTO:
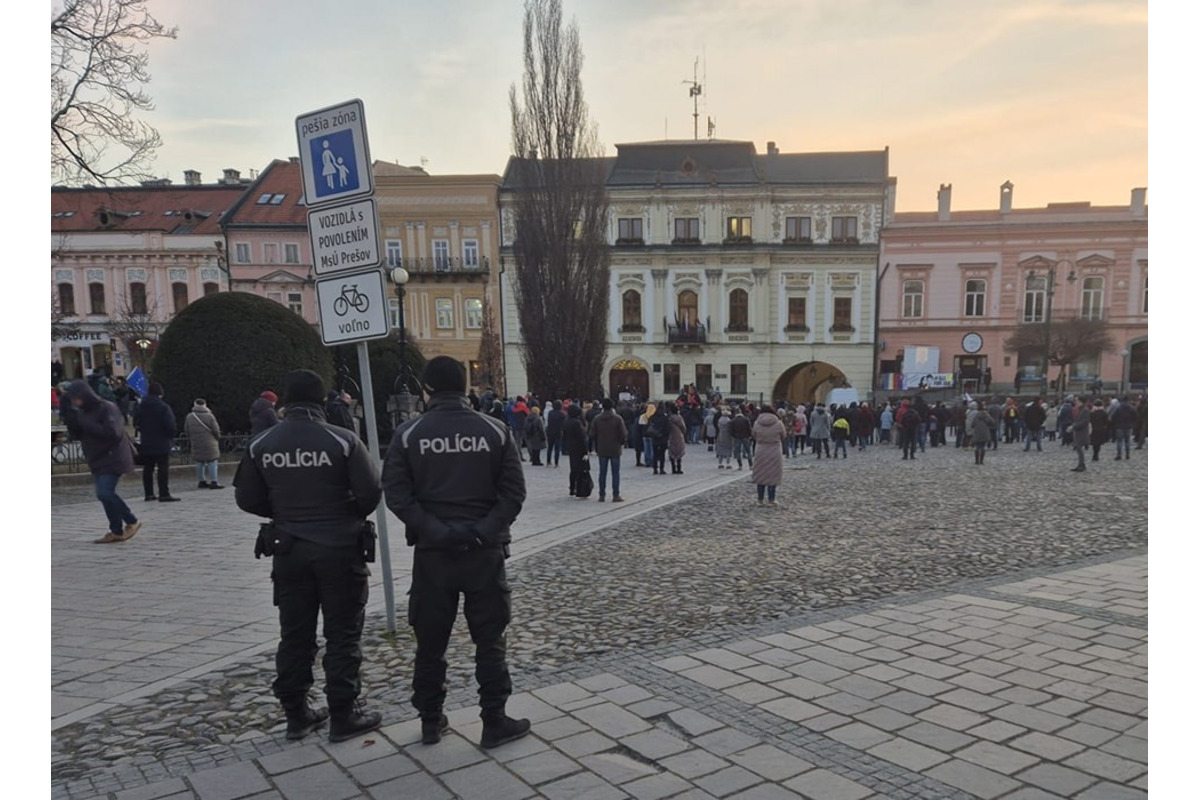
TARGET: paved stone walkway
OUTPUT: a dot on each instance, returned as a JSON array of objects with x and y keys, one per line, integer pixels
[{"x": 1029, "y": 683}]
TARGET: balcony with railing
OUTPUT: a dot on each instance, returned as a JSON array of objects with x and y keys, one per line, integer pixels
[
  {"x": 442, "y": 265},
  {"x": 691, "y": 333}
]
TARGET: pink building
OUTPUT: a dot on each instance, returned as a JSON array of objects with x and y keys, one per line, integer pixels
[
  {"x": 124, "y": 261},
  {"x": 955, "y": 285},
  {"x": 266, "y": 237}
]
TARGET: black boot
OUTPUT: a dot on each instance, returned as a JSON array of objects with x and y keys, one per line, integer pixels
[
  {"x": 302, "y": 720},
  {"x": 433, "y": 729},
  {"x": 347, "y": 723},
  {"x": 499, "y": 728}
]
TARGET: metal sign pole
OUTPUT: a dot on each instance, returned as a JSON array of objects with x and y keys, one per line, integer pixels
[{"x": 389, "y": 591}]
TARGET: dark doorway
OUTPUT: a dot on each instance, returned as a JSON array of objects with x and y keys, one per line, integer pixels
[{"x": 629, "y": 376}]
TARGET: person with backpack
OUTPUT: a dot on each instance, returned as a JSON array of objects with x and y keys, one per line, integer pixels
[
  {"x": 841, "y": 433},
  {"x": 535, "y": 436},
  {"x": 204, "y": 435}
]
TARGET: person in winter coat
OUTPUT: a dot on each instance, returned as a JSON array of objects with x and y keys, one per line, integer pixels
[
  {"x": 1035, "y": 423},
  {"x": 1066, "y": 415},
  {"x": 724, "y": 440},
  {"x": 609, "y": 432},
  {"x": 819, "y": 427},
  {"x": 676, "y": 440},
  {"x": 767, "y": 470},
  {"x": 555, "y": 418},
  {"x": 99, "y": 427},
  {"x": 262, "y": 412},
  {"x": 647, "y": 457},
  {"x": 799, "y": 432},
  {"x": 497, "y": 412},
  {"x": 1122, "y": 420},
  {"x": 710, "y": 427},
  {"x": 885, "y": 424},
  {"x": 1081, "y": 431},
  {"x": 659, "y": 429},
  {"x": 535, "y": 436},
  {"x": 337, "y": 410},
  {"x": 574, "y": 440},
  {"x": 909, "y": 421},
  {"x": 1099, "y": 434},
  {"x": 743, "y": 431},
  {"x": 155, "y": 423},
  {"x": 520, "y": 413},
  {"x": 980, "y": 426},
  {"x": 840, "y": 432},
  {"x": 204, "y": 434}
]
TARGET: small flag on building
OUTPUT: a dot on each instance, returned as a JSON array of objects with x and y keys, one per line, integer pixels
[{"x": 136, "y": 380}]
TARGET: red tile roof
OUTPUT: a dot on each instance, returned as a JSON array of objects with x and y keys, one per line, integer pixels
[
  {"x": 132, "y": 209},
  {"x": 274, "y": 199}
]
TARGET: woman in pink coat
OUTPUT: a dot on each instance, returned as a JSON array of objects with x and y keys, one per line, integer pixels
[{"x": 769, "y": 437}]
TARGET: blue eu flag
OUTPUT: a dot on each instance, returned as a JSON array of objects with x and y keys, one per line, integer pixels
[{"x": 136, "y": 380}]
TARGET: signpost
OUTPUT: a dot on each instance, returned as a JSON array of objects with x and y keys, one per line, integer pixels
[{"x": 343, "y": 224}]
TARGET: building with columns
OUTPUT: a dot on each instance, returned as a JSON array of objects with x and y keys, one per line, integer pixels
[
  {"x": 956, "y": 284},
  {"x": 125, "y": 260},
  {"x": 751, "y": 274},
  {"x": 442, "y": 229}
]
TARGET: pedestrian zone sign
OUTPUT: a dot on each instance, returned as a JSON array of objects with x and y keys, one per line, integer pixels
[
  {"x": 353, "y": 308},
  {"x": 335, "y": 162}
]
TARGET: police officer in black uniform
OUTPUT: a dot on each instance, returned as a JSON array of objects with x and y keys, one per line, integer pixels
[
  {"x": 317, "y": 483},
  {"x": 454, "y": 477}
]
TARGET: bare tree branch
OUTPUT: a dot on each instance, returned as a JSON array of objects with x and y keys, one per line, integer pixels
[
  {"x": 1071, "y": 340},
  {"x": 491, "y": 363},
  {"x": 98, "y": 65},
  {"x": 560, "y": 205},
  {"x": 130, "y": 323}
]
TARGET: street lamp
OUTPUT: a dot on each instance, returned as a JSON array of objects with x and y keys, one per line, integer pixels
[
  {"x": 401, "y": 404},
  {"x": 1052, "y": 274},
  {"x": 144, "y": 345}
]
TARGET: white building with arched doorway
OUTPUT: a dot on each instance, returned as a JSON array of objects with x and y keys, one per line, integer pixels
[{"x": 750, "y": 274}]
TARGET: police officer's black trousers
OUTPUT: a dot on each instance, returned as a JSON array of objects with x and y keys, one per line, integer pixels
[
  {"x": 332, "y": 580},
  {"x": 439, "y": 577}
]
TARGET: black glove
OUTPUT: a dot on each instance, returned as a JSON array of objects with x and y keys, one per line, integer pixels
[{"x": 464, "y": 536}]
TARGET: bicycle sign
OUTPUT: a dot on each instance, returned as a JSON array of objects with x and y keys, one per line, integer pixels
[
  {"x": 351, "y": 297},
  {"x": 353, "y": 308}
]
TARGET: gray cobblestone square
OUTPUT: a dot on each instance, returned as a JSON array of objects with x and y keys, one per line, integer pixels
[
  {"x": 828, "y": 785},
  {"x": 320, "y": 782},
  {"x": 770, "y": 762},
  {"x": 976, "y": 780}
]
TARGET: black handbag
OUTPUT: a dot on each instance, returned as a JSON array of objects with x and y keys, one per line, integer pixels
[{"x": 139, "y": 460}]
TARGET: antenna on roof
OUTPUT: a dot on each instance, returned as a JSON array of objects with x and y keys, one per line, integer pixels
[
  {"x": 712, "y": 127},
  {"x": 694, "y": 92}
]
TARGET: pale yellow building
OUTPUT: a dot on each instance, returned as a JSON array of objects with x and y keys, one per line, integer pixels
[{"x": 443, "y": 229}]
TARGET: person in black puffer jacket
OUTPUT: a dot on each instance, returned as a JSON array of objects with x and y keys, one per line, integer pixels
[
  {"x": 99, "y": 426},
  {"x": 155, "y": 422}
]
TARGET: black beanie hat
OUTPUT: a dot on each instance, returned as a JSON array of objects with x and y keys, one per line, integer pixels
[
  {"x": 303, "y": 386},
  {"x": 155, "y": 389},
  {"x": 444, "y": 374}
]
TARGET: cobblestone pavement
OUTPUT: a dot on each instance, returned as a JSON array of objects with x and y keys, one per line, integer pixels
[{"x": 895, "y": 629}]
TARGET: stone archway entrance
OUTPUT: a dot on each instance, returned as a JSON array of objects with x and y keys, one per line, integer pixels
[
  {"x": 808, "y": 382},
  {"x": 629, "y": 375}
]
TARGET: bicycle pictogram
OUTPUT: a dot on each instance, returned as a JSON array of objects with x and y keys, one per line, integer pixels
[{"x": 351, "y": 297}]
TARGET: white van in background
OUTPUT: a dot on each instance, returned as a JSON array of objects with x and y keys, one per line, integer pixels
[{"x": 842, "y": 397}]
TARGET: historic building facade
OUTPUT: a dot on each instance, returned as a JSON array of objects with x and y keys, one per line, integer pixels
[
  {"x": 124, "y": 260},
  {"x": 750, "y": 274},
  {"x": 443, "y": 230},
  {"x": 956, "y": 284},
  {"x": 266, "y": 240}
]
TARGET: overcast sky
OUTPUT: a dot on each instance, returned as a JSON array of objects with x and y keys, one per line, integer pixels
[{"x": 1050, "y": 94}]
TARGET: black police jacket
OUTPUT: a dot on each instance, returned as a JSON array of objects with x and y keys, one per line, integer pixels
[
  {"x": 317, "y": 481},
  {"x": 454, "y": 477}
]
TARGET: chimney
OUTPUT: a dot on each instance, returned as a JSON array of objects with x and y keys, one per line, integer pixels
[
  {"x": 772, "y": 150},
  {"x": 1006, "y": 197},
  {"x": 157, "y": 182},
  {"x": 532, "y": 153},
  {"x": 944, "y": 202},
  {"x": 293, "y": 159},
  {"x": 1137, "y": 204},
  {"x": 889, "y": 202},
  {"x": 232, "y": 176},
  {"x": 191, "y": 177}
]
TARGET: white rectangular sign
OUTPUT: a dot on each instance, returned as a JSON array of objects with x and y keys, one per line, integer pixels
[
  {"x": 345, "y": 237},
  {"x": 335, "y": 161},
  {"x": 353, "y": 308}
]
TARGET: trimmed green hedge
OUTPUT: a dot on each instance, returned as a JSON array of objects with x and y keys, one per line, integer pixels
[{"x": 230, "y": 347}]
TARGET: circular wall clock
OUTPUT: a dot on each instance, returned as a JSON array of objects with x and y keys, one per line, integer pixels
[{"x": 972, "y": 342}]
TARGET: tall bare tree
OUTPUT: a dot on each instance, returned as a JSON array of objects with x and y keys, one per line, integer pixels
[
  {"x": 1071, "y": 340},
  {"x": 560, "y": 205},
  {"x": 491, "y": 363},
  {"x": 97, "y": 70},
  {"x": 132, "y": 323}
]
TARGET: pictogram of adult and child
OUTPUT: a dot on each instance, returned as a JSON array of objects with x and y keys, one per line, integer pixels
[{"x": 335, "y": 174}]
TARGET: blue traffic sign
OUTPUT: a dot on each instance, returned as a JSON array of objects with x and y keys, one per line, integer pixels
[{"x": 334, "y": 157}]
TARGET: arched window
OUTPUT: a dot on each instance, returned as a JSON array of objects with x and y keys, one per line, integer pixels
[
  {"x": 688, "y": 308},
  {"x": 1092, "y": 305},
  {"x": 631, "y": 310},
  {"x": 1035, "y": 300},
  {"x": 739, "y": 310},
  {"x": 137, "y": 298},
  {"x": 976, "y": 298},
  {"x": 914, "y": 299}
]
